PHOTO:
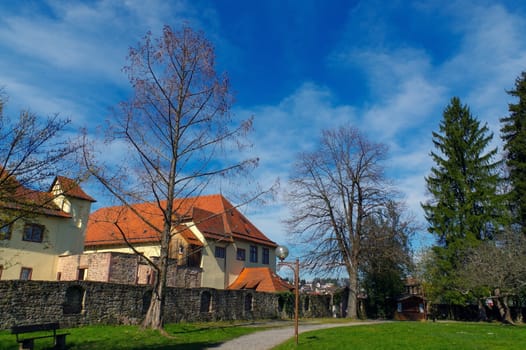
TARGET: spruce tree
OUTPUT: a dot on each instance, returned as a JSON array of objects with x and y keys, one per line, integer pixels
[
  {"x": 465, "y": 207},
  {"x": 463, "y": 185},
  {"x": 514, "y": 136}
]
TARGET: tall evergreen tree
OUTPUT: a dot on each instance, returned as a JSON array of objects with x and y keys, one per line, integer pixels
[
  {"x": 514, "y": 136},
  {"x": 465, "y": 207},
  {"x": 463, "y": 185}
]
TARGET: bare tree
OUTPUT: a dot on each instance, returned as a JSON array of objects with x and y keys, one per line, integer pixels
[
  {"x": 497, "y": 269},
  {"x": 176, "y": 127},
  {"x": 31, "y": 150},
  {"x": 333, "y": 190}
]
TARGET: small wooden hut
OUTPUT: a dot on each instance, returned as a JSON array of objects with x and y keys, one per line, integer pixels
[{"x": 411, "y": 306}]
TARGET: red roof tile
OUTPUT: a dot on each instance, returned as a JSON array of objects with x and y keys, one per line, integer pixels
[
  {"x": 190, "y": 237},
  {"x": 20, "y": 198},
  {"x": 261, "y": 279},
  {"x": 71, "y": 188},
  {"x": 36, "y": 202},
  {"x": 102, "y": 228},
  {"x": 213, "y": 215}
]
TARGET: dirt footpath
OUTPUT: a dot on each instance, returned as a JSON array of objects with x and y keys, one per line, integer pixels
[{"x": 268, "y": 339}]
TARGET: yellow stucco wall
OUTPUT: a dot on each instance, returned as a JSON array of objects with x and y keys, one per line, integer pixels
[
  {"x": 61, "y": 236},
  {"x": 214, "y": 275},
  {"x": 235, "y": 266},
  {"x": 149, "y": 250},
  {"x": 13, "y": 260}
]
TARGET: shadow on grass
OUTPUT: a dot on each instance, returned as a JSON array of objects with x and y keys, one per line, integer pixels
[
  {"x": 221, "y": 327},
  {"x": 186, "y": 346},
  {"x": 197, "y": 330}
]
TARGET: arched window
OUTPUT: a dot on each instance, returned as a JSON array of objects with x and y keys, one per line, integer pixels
[
  {"x": 281, "y": 303},
  {"x": 248, "y": 302},
  {"x": 74, "y": 300},
  {"x": 146, "y": 299},
  {"x": 206, "y": 304}
]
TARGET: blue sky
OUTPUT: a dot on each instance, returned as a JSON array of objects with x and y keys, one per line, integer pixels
[{"x": 387, "y": 67}]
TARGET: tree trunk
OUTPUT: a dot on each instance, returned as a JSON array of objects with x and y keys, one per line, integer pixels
[
  {"x": 502, "y": 306},
  {"x": 154, "y": 318},
  {"x": 352, "y": 310}
]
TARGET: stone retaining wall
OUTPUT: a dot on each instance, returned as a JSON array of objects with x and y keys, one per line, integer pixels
[{"x": 79, "y": 303}]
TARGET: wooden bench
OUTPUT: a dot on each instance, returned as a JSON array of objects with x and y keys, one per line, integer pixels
[{"x": 29, "y": 342}]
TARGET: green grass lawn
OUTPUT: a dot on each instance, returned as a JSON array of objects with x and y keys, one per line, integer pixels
[
  {"x": 396, "y": 335},
  {"x": 414, "y": 336},
  {"x": 181, "y": 336}
]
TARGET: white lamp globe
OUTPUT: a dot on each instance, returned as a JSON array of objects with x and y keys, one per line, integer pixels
[{"x": 282, "y": 252}]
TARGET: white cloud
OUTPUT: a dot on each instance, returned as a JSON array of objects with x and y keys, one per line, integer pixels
[
  {"x": 294, "y": 125},
  {"x": 69, "y": 58},
  {"x": 413, "y": 102},
  {"x": 491, "y": 55}
]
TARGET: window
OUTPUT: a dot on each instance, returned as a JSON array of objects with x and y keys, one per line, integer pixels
[
  {"x": 241, "y": 254},
  {"x": 220, "y": 252},
  {"x": 82, "y": 274},
  {"x": 253, "y": 254},
  {"x": 74, "y": 300},
  {"x": 25, "y": 273},
  {"x": 33, "y": 233},
  {"x": 146, "y": 299},
  {"x": 151, "y": 276},
  {"x": 5, "y": 231},
  {"x": 248, "y": 302},
  {"x": 193, "y": 259},
  {"x": 266, "y": 256},
  {"x": 281, "y": 302},
  {"x": 206, "y": 299}
]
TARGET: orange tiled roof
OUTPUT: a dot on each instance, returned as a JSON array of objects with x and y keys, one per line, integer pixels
[
  {"x": 213, "y": 215},
  {"x": 261, "y": 279},
  {"x": 71, "y": 188},
  {"x": 189, "y": 236},
  {"x": 23, "y": 198},
  {"x": 102, "y": 230},
  {"x": 26, "y": 199}
]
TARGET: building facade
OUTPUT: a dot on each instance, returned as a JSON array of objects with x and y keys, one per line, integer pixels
[
  {"x": 52, "y": 224},
  {"x": 211, "y": 245}
]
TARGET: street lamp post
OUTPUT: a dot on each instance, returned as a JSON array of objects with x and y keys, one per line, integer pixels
[{"x": 282, "y": 252}]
